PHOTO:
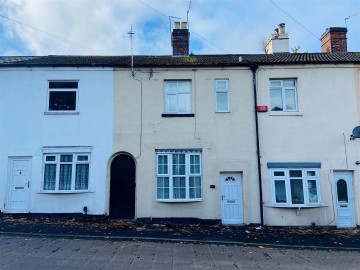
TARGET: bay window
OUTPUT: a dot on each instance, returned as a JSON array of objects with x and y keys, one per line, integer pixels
[
  {"x": 295, "y": 186},
  {"x": 178, "y": 175}
]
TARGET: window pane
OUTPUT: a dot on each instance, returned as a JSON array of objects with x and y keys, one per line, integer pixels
[
  {"x": 295, "y": 173},
  {"x": 162, "y": 164},
  {"x": 280, "y": 191},
  {"x": 184, "y": 86},
  {"x": 222, "y": 101},
  {"x": 179, "y": 164},
  {"x": 221, "y": 85},
  {"x": 297, "y": 192},
  {"x": 279, "y": 173},
  {"x": 312, "y": 189},
  {"x": 311, "y": 173},
  {"x": 290, "y": 99},
  {"x": 179, "y": 188},
  {"x": 65, "y": 177},
  {"x": 171, "y": 87},
  {"x": 82, "y": 158},
  {"x": 171, "y": 103},
  {"x": 195, "y": 187},
  {"x": 289, "y": 83},
  {"x": 66, "y": 158},
  {"x": 184, "y": 103},
  {"x": 194, "y": 164},
  {"x": 342, "y": 192},
  {"x": 50, "y": 177},
  {"x": 163, "y": 187},
  {"x": 276, "y": 99},
  {"x": 275, "y": 83},
  {"x": 50, "y": 158},
  {"x": 62, "y": 100},
  {"x": 82, "y": 176},
  {"x": 63, "y": 85}
]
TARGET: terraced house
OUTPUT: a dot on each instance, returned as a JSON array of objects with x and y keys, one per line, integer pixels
[{"x": 239, "y": 139}]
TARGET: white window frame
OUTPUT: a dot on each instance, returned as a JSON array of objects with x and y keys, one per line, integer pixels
[
  {"x": 169, "y": 174},
  {"x": 221, "y": 91},
  {"x": 286, "y": 178},
  {"x": 283, "y": 89},
  {"x": 50, "y": 90},
  {"x": 167, "y": 95},
  {"x": 57, "y": 152}
]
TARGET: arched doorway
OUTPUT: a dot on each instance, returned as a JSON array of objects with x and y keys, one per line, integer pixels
[{"x": 122, "y": 187}]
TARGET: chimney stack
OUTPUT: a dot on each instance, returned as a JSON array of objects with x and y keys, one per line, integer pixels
[
  {"x": 278, "y": 42},
  {"x": 334, "y": 40},
  {"x": 180, "y": 39}
]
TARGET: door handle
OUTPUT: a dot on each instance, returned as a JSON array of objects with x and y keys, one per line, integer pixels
[
  {"x": 222, "y": 197},
  {"x": 28, "y": 184}
]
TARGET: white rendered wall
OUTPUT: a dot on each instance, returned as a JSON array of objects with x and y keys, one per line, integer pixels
[
  {"x": 25, "y": 130},
  {"x": 227, "y": 139},
  {"x": 319, "y": 132}
]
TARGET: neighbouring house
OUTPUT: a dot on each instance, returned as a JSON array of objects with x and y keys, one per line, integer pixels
[
  {"x": 56, "y": 135},
  {"x": 241, "y": 139}
]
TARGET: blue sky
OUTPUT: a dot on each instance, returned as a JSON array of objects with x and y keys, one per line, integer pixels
[{"x": 88, "y": 27}]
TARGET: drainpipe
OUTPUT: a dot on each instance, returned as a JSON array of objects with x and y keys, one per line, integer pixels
[{"x": 254, "y": 68}]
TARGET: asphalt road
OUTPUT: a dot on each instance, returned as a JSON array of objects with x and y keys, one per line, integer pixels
[{"x": 19, "y": 252}]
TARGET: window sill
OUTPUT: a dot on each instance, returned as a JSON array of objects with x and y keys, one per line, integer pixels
[
  {"x": 296, "y": 206},
  {"x": 61, "y": 113},
  {"x": 285, "y": 113},
  {"x": 65, "y": 192},
  {"x": 222, "y": 111},
  {"x": 178, "y": 115},
  {"x": 180, "y": 201}
]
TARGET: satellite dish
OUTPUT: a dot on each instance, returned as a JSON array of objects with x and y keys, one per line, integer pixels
[{"x": 356, "y": 132}]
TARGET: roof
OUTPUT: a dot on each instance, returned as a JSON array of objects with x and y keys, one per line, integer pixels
[{"x": 222, "y": 60}]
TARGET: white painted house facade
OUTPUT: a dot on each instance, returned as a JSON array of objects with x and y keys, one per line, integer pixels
[
  {"x": 309, "y": 162},
  {"x": 56, "y": 137}
]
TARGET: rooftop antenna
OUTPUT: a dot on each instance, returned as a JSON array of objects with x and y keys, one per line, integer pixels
[
  {"x": 131, "y": 33},
  {"x": 171, "y": 19},
  {"x": 187, "y": 15},
  {"x": 347, "y": 18}
]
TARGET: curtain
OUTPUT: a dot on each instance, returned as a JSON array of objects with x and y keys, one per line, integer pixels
[
  {"x": 65, "y": 177},
  {"x": 82, "y": 176},
  {"x": 50, "y": 177}
]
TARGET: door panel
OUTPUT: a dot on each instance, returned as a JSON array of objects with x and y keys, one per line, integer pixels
[
  {"x": 231, "y": 198},
  {"x": 19, "y": 185},
  {"x": 344, "y": 200}
]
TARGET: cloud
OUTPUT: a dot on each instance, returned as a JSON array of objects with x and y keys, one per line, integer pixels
[{"x": 234, "y": 26}]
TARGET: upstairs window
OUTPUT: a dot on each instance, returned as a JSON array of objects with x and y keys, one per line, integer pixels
[
  {"x": 177, "y": 97},
  {"x": 283, "y": 95},
  {"x": 66, "y": 172},
  {"x": 295, "y": 187},
  {"x": 62, "y": 96},
  {"x": 222, "y": 95},
  {"x": 179, "y": 175}
]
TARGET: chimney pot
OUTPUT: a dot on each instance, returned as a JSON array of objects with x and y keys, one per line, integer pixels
[
  {"x": 281, "y": 29},
  {"x": 184, "y": 25},
  {"x": 177, "y": 25}
]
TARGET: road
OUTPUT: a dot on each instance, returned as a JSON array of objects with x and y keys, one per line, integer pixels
[{"x": 19, "y": 252}]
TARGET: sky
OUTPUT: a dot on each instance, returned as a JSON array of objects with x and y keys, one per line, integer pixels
[{"x": 100, "y": 27}]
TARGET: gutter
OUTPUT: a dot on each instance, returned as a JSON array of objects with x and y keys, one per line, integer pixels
[{"x": 254, "y": 68}]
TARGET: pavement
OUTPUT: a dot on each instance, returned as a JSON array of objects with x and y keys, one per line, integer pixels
[{"x": 328, "y": 238}]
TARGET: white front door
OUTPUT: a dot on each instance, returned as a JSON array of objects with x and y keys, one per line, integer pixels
[
  {"x": 231, "y": 198},
  {"x": 344, "y": 200},
  {"x": 19, "y": 181}
]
